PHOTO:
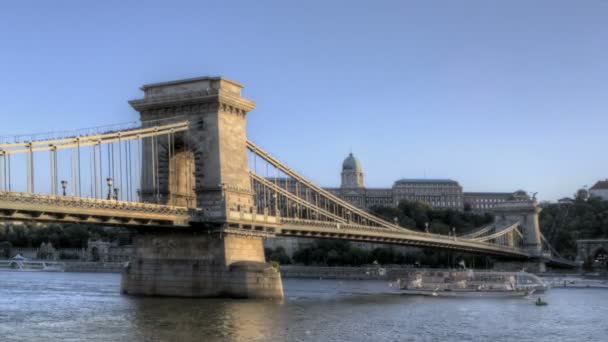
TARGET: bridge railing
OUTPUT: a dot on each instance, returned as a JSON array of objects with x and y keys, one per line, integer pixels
[{"x": 81, "y": 202}]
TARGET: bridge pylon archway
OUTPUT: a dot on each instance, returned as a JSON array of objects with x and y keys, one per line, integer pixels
[
  {"x": 206, "y": 169},
  {"x": 526, "y": 213},
  {"x": 213, "y": 148}
]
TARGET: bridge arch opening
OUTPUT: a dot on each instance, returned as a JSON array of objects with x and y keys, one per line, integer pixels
[
  {"x": 182, "y": 178},
  {"x": 600, "y": 255},
  {"x": 95, "y": 254}
]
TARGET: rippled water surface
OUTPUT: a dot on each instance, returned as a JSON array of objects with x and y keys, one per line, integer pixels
[{"x": 89, "y": 307}]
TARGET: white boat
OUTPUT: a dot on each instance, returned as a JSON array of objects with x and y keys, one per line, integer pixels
[
  {"x": 466, "y": 293},
  {"x": 468, "y": 283},
  {"x": 21, "y": 264}
]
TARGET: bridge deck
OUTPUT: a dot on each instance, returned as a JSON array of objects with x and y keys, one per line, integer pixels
[
  {"x": 49, "y": 208},
  {"x": 25, "y": 206}
]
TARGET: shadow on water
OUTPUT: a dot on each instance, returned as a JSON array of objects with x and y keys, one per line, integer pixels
[{"x": 170, "y": 319}]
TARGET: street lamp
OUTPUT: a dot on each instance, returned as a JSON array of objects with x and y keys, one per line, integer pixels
[
  {"x": 64, "y": 185},
  {"x": 109, "y": 182}
]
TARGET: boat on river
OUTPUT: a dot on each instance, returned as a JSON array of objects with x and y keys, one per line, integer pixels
[
  {"x": 19, "y": 263},
  {"x": 469, "y": 283}
]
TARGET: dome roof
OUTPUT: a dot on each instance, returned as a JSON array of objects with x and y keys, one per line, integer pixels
[{"x": 351, "y": 164}]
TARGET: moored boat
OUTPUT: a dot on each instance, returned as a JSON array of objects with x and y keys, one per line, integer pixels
[
  {"x": 466, "y": 293},
  {"x": 468, "y": 283},
  {"x": 22, "y": 264}
]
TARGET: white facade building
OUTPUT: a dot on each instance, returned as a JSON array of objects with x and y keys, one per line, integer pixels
[{"x": 600, "y": 189}]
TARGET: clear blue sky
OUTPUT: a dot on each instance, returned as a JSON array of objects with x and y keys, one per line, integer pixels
[{"x": 499, "y": 95}]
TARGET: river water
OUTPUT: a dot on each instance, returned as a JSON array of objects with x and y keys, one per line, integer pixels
[{"x": 40, "y": 306}]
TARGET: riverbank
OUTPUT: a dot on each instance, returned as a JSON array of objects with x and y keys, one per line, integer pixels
[
  {"x": 556, "y": 280},
  {"x": 78, "y": 266},
  {"x": 576, "y": 281},
  {"x": 93, "y": 267}
]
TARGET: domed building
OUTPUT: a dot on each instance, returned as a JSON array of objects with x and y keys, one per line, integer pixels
[
  {"x": 438, "y": 193},
  {"x": 352, "y": 173},
  {"x": 352, "y": 188}
]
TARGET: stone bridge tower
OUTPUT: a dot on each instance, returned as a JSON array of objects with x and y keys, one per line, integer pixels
[
  {"x": 526, "y": 212},
  {"x": 206, "y": 169}
]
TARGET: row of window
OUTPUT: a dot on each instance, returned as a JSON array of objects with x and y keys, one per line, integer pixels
[
  {"x": 428, "y": 192},
  {"x": 482, "y": 206},
  {"x": 488, "y": 200}
]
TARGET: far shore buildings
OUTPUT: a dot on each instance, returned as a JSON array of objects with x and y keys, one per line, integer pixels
[
  {"x": 438, "y": 193},
  {"x": 600, "y": 189}
]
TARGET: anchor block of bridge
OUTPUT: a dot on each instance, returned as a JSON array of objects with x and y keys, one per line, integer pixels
[{"x": 205, "y": 168}]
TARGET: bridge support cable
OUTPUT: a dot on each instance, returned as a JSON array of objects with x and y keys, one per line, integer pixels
[
  {"x": 138, "y": 168},
  {"x": 96, "y": 173},
  {"x": 30, "y": 168},
  {"x": 288, "y": 198},
  {"x": 550, "y": 248},
  {"x": 109, "y": 150},
  {"x": 509, "y": 236},
  {"x": 479, "y": 232},
  {"x": 76, "y": 173},
  {"x": 328, "y": 201},
  {"x": 128, "y": 168},
  {"x": 190, "y": 170},
  {"x": 2, "y": 171},
  {"x": 78, "y": 167},
  {"x": 53, "y": 171},
  {"x": 101, "y": 178},
  {"x": 92, "y": 168},
  {"x": 171, "y": 185},
  {"x": 8, "y": 172},
  {"x": 86, "y": 140},
  {"x": 91, "y": 180},
  {"x": 156, "y": 170},
  {"x": 121, "y": 189},
  {"x": 3, "y": 179}
]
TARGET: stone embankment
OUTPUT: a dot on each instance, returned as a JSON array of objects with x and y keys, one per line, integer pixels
[
  {"x": 576, "y": 282},
  {"x": 346, "y": 273},
  {"x": 93, "y": 267}
]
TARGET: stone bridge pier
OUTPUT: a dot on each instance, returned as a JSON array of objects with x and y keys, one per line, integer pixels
[
  {"x": 526, "y": 213},
  {"x": 206, "y": 169}
]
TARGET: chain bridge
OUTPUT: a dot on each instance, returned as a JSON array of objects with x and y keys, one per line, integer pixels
[{"x": 202, "y": 197}]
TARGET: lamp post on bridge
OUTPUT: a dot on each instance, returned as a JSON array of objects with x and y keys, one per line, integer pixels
[
  {"x": 276, "y": 205},
  {"x": 109, "y": 182},
  {"x": 64, "y": 185}
]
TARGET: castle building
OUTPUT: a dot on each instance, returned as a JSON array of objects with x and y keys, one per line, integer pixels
[
  {"x": 438, "y": 193},
  {"x": 352, "y": 173}
]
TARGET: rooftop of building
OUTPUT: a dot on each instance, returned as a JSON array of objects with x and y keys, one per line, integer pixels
[
  {"x": 406, "y": 181},
  {"x": 468, "y": 193},
  {"x": 351, "y": 164},
  {"x": 600, "y": 185}
]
